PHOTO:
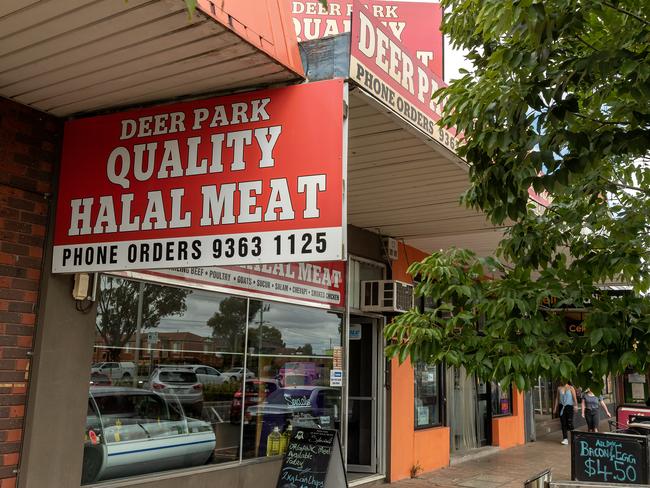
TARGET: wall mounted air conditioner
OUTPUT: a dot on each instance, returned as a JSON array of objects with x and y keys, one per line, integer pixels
[{"x": 386, "y": 296}]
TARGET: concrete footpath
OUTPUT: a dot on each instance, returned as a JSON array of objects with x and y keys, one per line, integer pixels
[{"x": 507, "y": 468}]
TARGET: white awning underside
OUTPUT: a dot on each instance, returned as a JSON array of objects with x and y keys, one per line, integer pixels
[
  {"x": 403, "y": 186},
  {"x": 68, "y": 57}
]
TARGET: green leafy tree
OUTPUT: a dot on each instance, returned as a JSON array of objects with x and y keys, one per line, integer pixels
[
  {"x": 229, "y": 323},
  {"x": 558, "y": 102},
  {"x": 117, "y": 310},
  {"x": 270, "y": 342}
]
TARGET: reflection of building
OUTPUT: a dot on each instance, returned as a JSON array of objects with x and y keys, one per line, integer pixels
[{"x": 171, "y": 347}]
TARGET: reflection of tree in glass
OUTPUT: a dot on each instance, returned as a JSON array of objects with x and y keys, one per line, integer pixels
[
  {"x": 306, "y": 350},
  {"x": 271, "y": 340},
  {"x": 117, "y": 310},
  {"x": 229, "y": 323}
]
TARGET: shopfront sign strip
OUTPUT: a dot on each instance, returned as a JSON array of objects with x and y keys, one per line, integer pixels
[
  {"x": 386, "y": 69},
  {"x": 416, "y": 24},
  {"x": 320, "y": 284},
  {"x": 249, "y": 178}
]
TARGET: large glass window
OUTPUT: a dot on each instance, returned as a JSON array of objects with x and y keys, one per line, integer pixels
[
  {"x": 185, "y": 377},
  {"x": 290, "y": 354},
  {"x": 428, "y": 400}
]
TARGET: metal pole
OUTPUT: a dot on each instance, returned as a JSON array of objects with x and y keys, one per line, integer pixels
[{"x": 138, "y": 339}]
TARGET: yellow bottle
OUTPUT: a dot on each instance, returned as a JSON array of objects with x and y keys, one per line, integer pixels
[
  {"x": 273, "y": 442},
  {"x": 284, "y": 441},
  {"x": 118, "y": 424}
]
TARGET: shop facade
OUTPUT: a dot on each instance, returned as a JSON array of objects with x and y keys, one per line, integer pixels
[{"x": 163, "y": 367}]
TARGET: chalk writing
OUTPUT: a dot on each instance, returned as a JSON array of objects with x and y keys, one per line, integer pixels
[{"x": 609, "y": 458}]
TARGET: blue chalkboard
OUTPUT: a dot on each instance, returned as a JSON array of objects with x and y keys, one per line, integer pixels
[{"x": 603, "y": 457}]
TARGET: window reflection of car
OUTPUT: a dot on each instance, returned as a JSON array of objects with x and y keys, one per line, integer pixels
[
  {"x": 130, "y": 431},
  {"x": 207, "y": 375},
  {"x": 179, "y": 383},
  {"x": 302, "y": 406},
  {"x": 298, "y": 373},
  {"x": 99, "y": 379},
  {"x": 123, "y": 370},
  {"x": 236, "y": 374},
  {"x": 256, "y": 392}
]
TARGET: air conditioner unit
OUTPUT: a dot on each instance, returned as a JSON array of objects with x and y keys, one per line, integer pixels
[
  {"x": 391, "y": 248},
  {"x": 386, "y": 296}
]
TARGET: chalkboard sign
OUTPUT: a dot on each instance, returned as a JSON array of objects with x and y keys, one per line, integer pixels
[
  {"x": 313, "y": 460},
  {"x": 603, "y": 457}
]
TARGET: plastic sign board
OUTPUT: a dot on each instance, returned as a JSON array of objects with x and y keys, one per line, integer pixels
[
  {"x": 416, "y": 24},
  {"x": 336, "y": 377},
  {"x": 249, "y": 178},
  {"x": 382, "y": 66},
  {"x": 355, "y": 332},
  {"x": 312, "y": 284}
]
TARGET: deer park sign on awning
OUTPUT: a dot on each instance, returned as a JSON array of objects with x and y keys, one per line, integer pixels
[{"x": 249, "y": 178}]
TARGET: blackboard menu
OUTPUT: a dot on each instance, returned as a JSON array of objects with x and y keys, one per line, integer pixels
[
  {"x": 603, "y": 457},
  {"x": 313, "y": 460}
]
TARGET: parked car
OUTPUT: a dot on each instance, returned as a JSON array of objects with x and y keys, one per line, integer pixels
[
  {"x": 99, "y": 379},
  {"x": 207, "y": 375},
  {"x": 130, "y": 431},
  {"x": 179, "y": 383},
  {"x": 301, "y": 406},
  {"x": 236, "y": 374},
  {"x": 123, "y": 370},
  {"x": 302, "y": 373},
  {"x": 256, "y": 392}
]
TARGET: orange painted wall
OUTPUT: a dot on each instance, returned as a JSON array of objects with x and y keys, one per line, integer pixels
[
  {"x": 509, "y": 431},
  {"x": 428, "y": 448},
  {"x": 267, "y": 24}
]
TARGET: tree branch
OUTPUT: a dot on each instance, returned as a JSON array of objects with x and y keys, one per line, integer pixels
[{"x": 626, "y": 12}]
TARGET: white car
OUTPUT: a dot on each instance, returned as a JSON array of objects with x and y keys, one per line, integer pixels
[
  {"x": 122, "y": 370},
  {"x": 207, "y": 375},
  {"x": 236, "y": 374}
]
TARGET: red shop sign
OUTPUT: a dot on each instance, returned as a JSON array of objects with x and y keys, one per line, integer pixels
[
  {"x": 249, "y": 178},
  {"x": 315, "y": 284},
  {"x": 416, "y": 24},
  {"x": 389, "y": 71}
]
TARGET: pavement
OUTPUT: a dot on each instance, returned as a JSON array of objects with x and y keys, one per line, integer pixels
[{"x": 507, "y": 468}]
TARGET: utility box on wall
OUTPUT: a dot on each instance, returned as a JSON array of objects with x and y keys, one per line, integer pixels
[{"x": 386, "y": 296}]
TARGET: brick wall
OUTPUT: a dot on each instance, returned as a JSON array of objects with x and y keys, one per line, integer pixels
[{"x": 29, "y": 149}]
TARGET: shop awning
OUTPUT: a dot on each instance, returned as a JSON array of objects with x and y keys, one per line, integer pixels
[
  {"x": 407, "y": 187},
  {"x": 401, "y": 182},
  {"x": 69, "y": 57}
]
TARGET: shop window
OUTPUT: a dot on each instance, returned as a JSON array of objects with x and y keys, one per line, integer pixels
[
  {"x": 501, "y": 399},
  {"x": 290, "y": 354},
  {"x": 180, "y": 377},
  {"x": 428, "y": 395}
]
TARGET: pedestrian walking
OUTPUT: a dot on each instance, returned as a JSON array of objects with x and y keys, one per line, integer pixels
[
  {"x": 566, "y": 400},
  {"x": 591, "y": 408}
]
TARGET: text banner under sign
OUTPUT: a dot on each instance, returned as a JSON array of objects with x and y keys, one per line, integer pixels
[
  {"x": 416, "y": 24},
  {"x": 312, "y": 284},
  {"x": 243, "y": 179},
  {"x": 382, "y": 66}
]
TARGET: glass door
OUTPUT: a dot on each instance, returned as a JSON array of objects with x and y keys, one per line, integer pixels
[{"x": 362, "y": 397}]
